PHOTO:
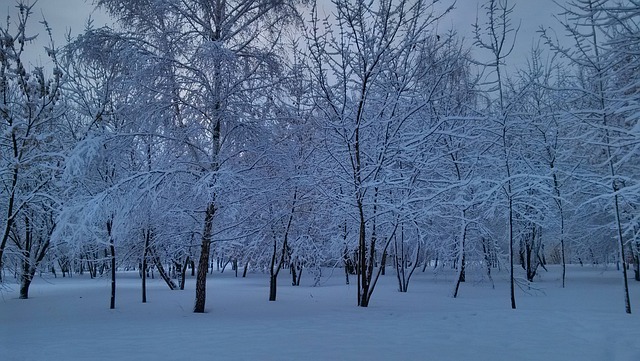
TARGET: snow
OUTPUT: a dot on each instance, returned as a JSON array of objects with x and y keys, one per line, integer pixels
[{"x": 69, "y": 319}]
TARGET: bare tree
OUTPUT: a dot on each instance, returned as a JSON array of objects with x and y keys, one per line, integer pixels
[
  {"x": 596, "y": 106},
  {"x": 365, "y": 63},
  {"x": 31, "y": 148},
  {"x": 498, "y": 38}
]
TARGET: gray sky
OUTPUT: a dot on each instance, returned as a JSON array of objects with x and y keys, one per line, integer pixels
[
  {"x": 63, "y": 16},
  {"x": 71, "y": 15}
]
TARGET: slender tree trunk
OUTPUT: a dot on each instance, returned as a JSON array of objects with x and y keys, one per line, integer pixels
[
  {"x": 163, "y": 273},
  {"x": 511, "y": 271},
  {"x": 461, "y": 254},
  {"x": 235, "y": 266},
  {"x": 363, "y": 280},
  {"x": 627, "y": 302},
  {"x": 112, "y": 249},
  {"x": 300, "y": 269},
  {"x": 636, "y": 268},
  {"x": 413, "y": 268},
  {"x": 346, "y": 259},
  {"x": 203, "y": 263},
  {"x": 275, "y": 269},
  {"x": 25, "y": 277},
  {"x": 487, "y": 258},
  {"x": 244, "y": 271},
  {"x": 461, "y": 277},
  {"x": 294, "y": 273},
  {"x": 183, "y": 273},
  {"x": 147, "y": 237},
  {"x": 397, "y": 262},
  {"x": 562, "y": 251}
]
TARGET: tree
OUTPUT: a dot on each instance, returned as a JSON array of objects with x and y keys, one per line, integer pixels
[
  {"x": 215, "y": 57},
  {"x": 622, "y": 49},
  {"x": 497, "y": 43},
  {"x": 596, "y": 109},
  {"x": 32, "y": 143},
  {"x": 365, "y": 64}
]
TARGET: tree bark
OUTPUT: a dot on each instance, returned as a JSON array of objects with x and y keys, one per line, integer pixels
[
  {"x": 203, "y": 263},
  {"x": 26, "y": 277},
  {"x": 363, "y": 280}
]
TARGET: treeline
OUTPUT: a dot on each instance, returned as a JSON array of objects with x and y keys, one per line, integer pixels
[{"x": 278, "y": 134}]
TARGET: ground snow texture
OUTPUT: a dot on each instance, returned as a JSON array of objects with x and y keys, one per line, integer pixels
[{"x": 69, "y": 319}]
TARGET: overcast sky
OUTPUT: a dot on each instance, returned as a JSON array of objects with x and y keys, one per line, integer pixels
[{"x": 71, "y": 15}]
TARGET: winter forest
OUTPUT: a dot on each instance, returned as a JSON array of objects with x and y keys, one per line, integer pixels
[{"x": 350, "y": 138}]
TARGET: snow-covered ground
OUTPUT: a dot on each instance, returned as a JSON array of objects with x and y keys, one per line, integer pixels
[{"x": 69, "y": 319}]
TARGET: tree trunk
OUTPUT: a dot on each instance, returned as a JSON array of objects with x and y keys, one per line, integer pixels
[
  {"x": 112, "y": 249},
  {"x": 25, "y": 278},
  {"x": 461, "y": 254},
  {"x": 627, "y": 302},
  {"x": 244, "y": 271},
  {"x": 348, "y": 264},
  {"x": 163, "y": 273},
  {"x": 33, "y": 254},
  {"x": 294, "y": 273},
  {"x": 487, "y": 259},
  {"x": 235, "y": 266},
  {"x": 300, "y": 269},
  {"x": 183, "y": 273},
  {"x": 25, "y": 282},
  {"x": 461, "y": 277},
  {"x": 274, "y": 268},
  {"x": 203, "y": 263},
  {"x": 91, "y": 267},
  {"x": 224, "y": 265},
  {"x": 363, "y": 279},
  {"x": 511, "y": 271},
  {"x": 273, "y": 287},
  {"x": 564, "y": 262},
  {"x": 147, "y": 238}
]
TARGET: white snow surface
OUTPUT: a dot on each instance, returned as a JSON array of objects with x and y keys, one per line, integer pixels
[{"x": 69, "y": 319}]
